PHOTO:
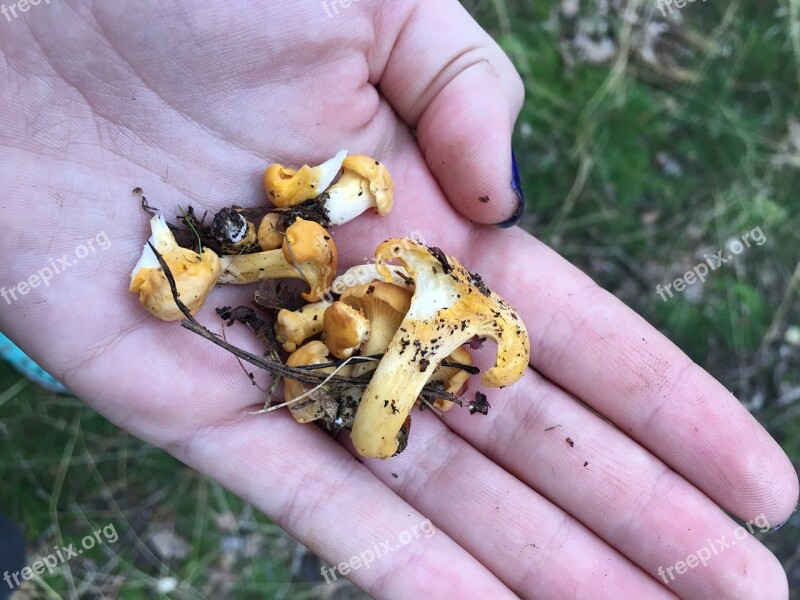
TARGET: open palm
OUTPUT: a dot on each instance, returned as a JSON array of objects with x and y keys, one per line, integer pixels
[{"x": 615, "y": 455}]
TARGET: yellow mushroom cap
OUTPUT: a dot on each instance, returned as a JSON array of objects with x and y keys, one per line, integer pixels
[
  {"x": 380, "y": 180},
  {"x": 312, "y": 353},
  {"x": 309, "y": 246},
  {"x": 287, "y": 187},
  {"x": 374, "y": 296},
  {"x": 195, "y": 275},
  {"x": 384, "y": 305},
  {"x": 346, "y": 329},
  {"x": 270, "y": 236}
]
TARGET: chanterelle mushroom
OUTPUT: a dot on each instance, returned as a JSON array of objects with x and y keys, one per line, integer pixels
[
  {"x": 195, "y": 274},
  {"x": 270, "y": 231},
  {"x": 308, "y": 253},
  {"x": 289, "y": 187},
  {"x": 346, "y": 329},
  {"x": 385, "y": 306},
  {"x": 449, "y": 307},
  {"x": 293, "y": 327},
  {"x": 234, "y": 232},
  {"x": 316, "y": 404},
  {"x": 365, "y": 183},
  {"x": 363, "y": 274}
]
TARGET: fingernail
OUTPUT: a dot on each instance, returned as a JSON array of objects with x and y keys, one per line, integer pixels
[{"x": 516, "y": 185}]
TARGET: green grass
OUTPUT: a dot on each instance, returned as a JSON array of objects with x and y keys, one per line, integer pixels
[
  {"x": 598, "y": 195},
  {"x": 588, "y": 142}
]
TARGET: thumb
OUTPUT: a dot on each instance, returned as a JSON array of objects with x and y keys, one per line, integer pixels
[{"x": 449, "y": 80}]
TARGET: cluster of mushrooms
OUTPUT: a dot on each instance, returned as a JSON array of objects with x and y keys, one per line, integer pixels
[{"x": 364, "y": 347}]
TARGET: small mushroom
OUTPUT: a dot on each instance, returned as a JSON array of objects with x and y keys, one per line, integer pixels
[
  {"x": 287, "y": 187},
  {"x": 450, "y": 306},
  {"x": 367, "y": 273},
  {"x": 234, "y": 232},
  {"x": 270, "y": 231},
  {"x": 385, "y": 306},
  {"x": 346, "y": 329},
  {"x": 316, "y": 404},
  {"x": 365, "y": 183},
  {"x": 195, "y": 274},
  {"x": 292, "y": 328},
  {"x": 452, "y": 378},
  {"x": 308, "y": 253}
]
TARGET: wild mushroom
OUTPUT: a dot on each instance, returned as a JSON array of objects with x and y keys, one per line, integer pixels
[
  {"x": 195, "y": 274},
  {"x": 270, "y": 231},
  {"x": 292, "y": 328},
  {"x": 346, "y": 329},
  {"x": 308, "y": 253},
  {"x": 367, "y": 273},
  {"x": 365, "y": 183},
  {"x": 317, "y": 404},
  {"x": 453, "y": 379},
  {"x": 289, "y": 187},
  {"x": 385, "y": 306},
  {"x": 234, "y": 232},
  {"x": 450, "y": 306}
]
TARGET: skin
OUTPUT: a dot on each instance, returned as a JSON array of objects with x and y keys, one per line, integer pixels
[{"x": 191, "y": 103}]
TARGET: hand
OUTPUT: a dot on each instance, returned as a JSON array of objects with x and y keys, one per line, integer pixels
[{"x": 543, "y": 498}]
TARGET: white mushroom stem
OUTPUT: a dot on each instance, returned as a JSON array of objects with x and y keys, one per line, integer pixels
[
  {"x": 348, "y": 198},
  {"x": 162, "y": 239},
  {"x": 328, "y": 170},
  {"x": 365, "y": 184}
]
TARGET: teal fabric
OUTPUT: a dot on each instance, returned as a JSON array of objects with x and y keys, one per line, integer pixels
[{"x": 20, "y": 361}]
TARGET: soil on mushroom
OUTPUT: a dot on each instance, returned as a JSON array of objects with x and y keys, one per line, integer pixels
[{"x": 310, "y": 210}]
